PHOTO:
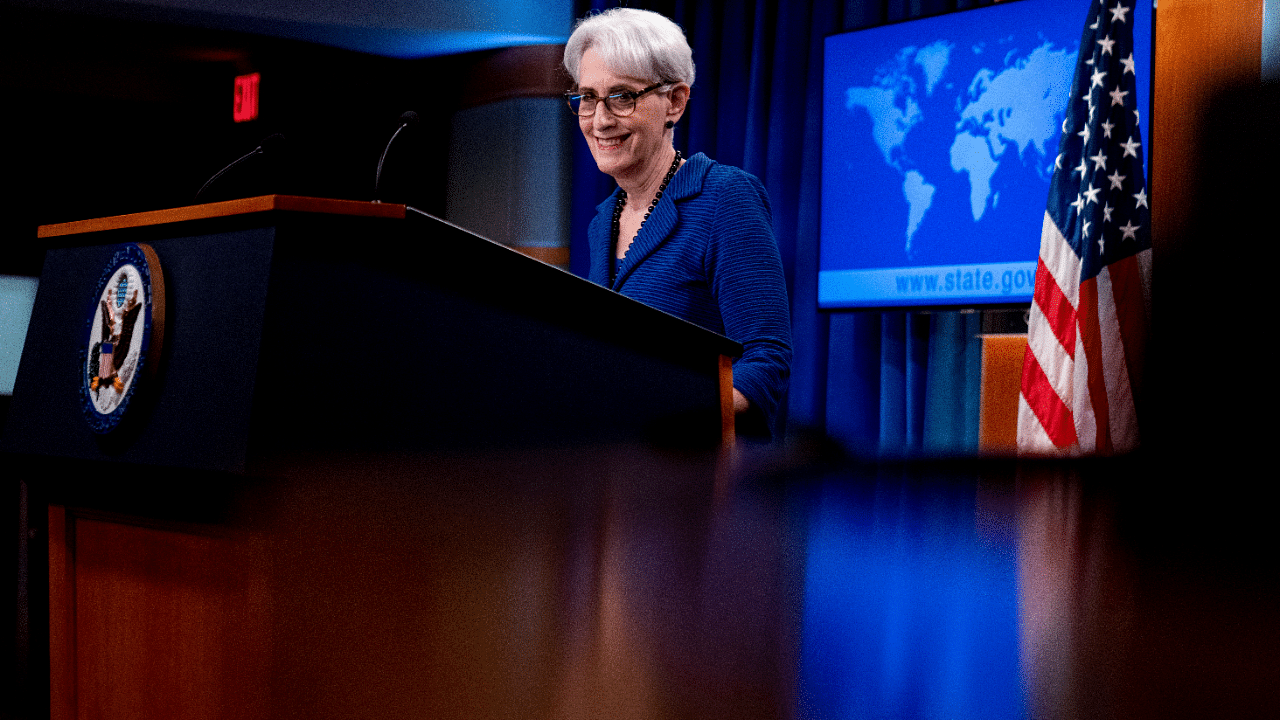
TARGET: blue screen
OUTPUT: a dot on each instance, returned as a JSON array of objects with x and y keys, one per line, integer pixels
[{"x": 939, "y": 141}]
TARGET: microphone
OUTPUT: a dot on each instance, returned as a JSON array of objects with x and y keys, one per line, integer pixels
[
  {"x": 271, "y": 143},
  {"x": 408, "y": 118}
]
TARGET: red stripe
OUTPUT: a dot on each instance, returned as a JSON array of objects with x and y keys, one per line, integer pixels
[
  {"x": 1053, "y": 414},
  {"x": 1091, "y": 340},
  {"x": 1056, "y": 308},
  {"x": 1126, "y": 288}
]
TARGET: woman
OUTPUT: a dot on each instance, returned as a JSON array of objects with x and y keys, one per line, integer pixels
[{"x": 690, "y": 236}]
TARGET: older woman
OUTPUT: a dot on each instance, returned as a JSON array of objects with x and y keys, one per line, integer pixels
[{"x": 689, "y": 236}]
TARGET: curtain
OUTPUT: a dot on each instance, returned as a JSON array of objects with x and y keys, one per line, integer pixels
[{"x": 901, "y": 382}]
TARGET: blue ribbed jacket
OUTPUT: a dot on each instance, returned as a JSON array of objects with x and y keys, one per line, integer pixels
[{"x": 707, "y": 254}]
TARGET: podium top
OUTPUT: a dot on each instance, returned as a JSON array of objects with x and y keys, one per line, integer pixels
[{"x": 242, "y": 206}]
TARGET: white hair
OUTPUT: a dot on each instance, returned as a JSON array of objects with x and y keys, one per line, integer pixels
[{"x": 637, "y": 43}]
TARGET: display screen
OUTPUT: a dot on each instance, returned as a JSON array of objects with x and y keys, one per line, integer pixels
[
  {"x": 17, "y": 297},
  {"x": 939, "y": 142}
]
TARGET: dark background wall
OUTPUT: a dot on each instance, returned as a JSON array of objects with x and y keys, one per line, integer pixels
[
  {"x": 105, "y": 115},
  {"x": 108, "y": 116}
]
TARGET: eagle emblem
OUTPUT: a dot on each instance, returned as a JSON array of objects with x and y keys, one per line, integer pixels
[
  {"x": 120, "y": 335},
  {"x": 117, "y": 319}
]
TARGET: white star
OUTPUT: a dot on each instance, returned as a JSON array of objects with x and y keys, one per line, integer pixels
[
  {"x": 1106, "y": 212},
  {"x": 1107, "y": 43},
  {"x": 1092, "y": 193},
  {"x": 1128, "y": 65},
  {"x": 1130, "y": 231},
  {"x": 1107, "y": 127},
  {"x": 1141, "y": 197},
  {"x": 1082, "y": 169},
  {"x": 1118, "y": 13},
  {"x": 1058, "y": 163},
  {"x": 1116, "y": 178},
  {"x": 1101, "y": 245},
  {"x": 1130, "y": 148},
  {"x": 1084, "y": 133},
  {"x": 1064, "y": 125},
  {"x": 1085, "y": 229},
  {"x": 1117, "y": 96},
  {"x": 1097, "y": 78},
  {"x": 1079, "y": 203},
  {"x": 1099, "y": 160}
]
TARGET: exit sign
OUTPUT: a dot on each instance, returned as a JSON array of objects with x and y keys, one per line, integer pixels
[{"x": 245, "y": 107}]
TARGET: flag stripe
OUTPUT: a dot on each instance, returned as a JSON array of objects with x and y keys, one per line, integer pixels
[
  {"x": 1061, "y": 259},
  {"x": 1122, "y": 427},
  {"x": 1044, "y": 403},
  {"x": 1031, "y": 433},
  {"x": 1128, "y": 287},
  {"x": 1095, "y": 394},
  {"x": 1082, "y": 411},
  {"x": 1055, "y": 362},
  {"x": 1057, "y": 310}
]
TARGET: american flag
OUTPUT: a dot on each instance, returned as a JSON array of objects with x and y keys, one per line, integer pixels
[{"x": 1089, "y": 314}]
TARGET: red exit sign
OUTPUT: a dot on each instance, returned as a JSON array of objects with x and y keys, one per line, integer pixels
[{"x": 246, "y": 99}]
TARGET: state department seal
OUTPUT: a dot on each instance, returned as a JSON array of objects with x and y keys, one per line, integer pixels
[{"x": 124, "y": 335}]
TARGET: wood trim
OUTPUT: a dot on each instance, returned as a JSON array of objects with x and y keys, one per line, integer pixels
[
  {"x": 156, "y": 348},
  {"x": 243, "y": 206},
  {"x": 529, "y": 71},
  {"x": 62, "y": 626},
  {"x": 1001, "y": 385},
  {"x": 1227, "y": 37},
  {"x": 728, "y": 430},
  {"x": 549, "y": 255}
]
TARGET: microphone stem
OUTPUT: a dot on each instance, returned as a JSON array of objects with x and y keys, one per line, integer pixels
[
  {"x": 256, "y": 151},
  {"x": 377, "y": 180}
]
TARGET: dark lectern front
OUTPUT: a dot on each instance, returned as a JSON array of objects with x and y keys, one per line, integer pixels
[
  {"x": 295, "y": 324},
  {"x": 363, "y": 472}
]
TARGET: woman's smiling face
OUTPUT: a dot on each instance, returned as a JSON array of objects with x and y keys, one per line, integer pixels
[{"x": 626, "y": 148}]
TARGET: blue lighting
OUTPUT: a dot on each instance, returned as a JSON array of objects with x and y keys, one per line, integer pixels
[
  {"x": 397, "y": 28},
  {"x": 407, "y": 44},
  {"x": 910, "y": 609}
]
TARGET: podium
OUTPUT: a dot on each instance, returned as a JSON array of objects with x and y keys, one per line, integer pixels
[
  {"x": 359, "y": 416},
  {"x": 300, "y": 323}
]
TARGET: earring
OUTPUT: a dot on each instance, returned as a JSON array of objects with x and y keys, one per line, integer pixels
[{"x": 670, "y": 124}]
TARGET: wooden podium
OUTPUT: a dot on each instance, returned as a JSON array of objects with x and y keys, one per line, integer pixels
[
  {"x": 299, "y": 323},
  {"x": 369, "y": 431}
]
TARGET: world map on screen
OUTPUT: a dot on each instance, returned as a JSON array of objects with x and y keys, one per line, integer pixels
[
  {"x": 1008, "y": 113},
  {"x": 939, "y": 143},
  {"x": 939, "y": 149}
]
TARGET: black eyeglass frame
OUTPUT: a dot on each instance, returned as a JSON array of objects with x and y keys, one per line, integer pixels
[{"x": 627, "y": 96}]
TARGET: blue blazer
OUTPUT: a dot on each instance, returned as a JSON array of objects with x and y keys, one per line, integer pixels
[{"x": 707, "y": 254}]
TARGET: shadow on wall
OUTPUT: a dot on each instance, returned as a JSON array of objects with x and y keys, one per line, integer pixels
[{"x": 1213, "y": 284}]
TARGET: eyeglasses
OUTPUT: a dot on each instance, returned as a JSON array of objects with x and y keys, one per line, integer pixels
[{"x": 620, "y": 104}]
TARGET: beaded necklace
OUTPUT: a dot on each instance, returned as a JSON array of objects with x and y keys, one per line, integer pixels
[{"x": 622, "y": 202}]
